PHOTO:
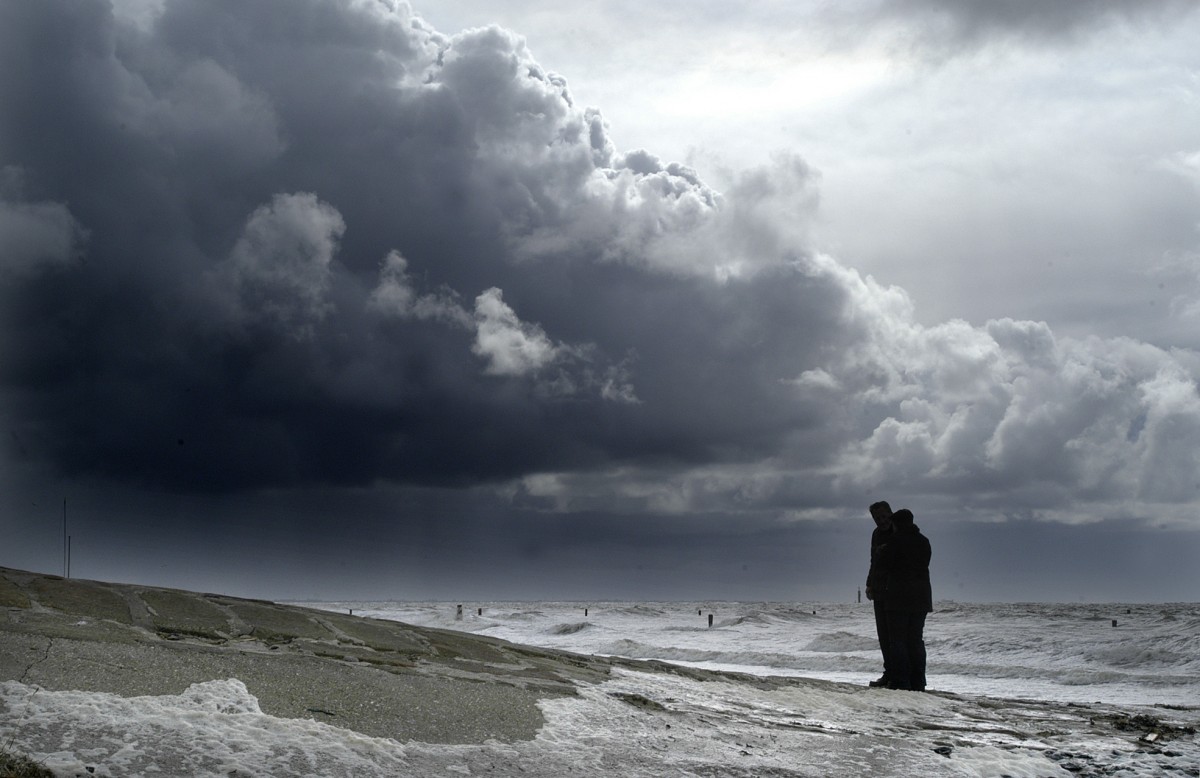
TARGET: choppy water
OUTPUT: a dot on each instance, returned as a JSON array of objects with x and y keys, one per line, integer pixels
[{"x": 1058, "y": 652}]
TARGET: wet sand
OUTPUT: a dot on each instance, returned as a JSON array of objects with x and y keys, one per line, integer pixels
[
  {"x": 459, "y": 702},
  {"x": 379, "y": 678}
]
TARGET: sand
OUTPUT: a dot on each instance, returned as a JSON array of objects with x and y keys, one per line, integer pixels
[
  {"x": 379, "y": 678},
  {"x": 118, "y": 679}
]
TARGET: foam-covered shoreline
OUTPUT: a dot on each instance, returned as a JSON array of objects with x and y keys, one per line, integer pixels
[
  {"x": 378, "y": 678},
  {"x": 131, "y": 680}
]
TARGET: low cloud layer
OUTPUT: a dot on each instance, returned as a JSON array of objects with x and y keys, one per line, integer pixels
[
  {"x": 279, "y": 244},
  {"x": 952, "y": 25}
]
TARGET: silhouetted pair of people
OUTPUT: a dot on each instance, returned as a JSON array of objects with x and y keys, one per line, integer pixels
[{"x": 898, "y": 587}]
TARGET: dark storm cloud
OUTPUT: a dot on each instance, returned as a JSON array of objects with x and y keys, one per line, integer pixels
[
  {"x": 279, "y": 243},
  {"x": 326, "y": 243},
  {"x": 954, "y": 24}
]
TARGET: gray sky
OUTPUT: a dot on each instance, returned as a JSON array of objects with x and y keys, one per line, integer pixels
[{"x": 344, "y": 299}]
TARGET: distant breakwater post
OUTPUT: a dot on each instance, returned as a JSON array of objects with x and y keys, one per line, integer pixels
[
  {"x": 710, "y": 619},
  {"x": 458, "y": 614},
  {"x": 480, "y": 613},
  {"x": 66, "y": 544}
]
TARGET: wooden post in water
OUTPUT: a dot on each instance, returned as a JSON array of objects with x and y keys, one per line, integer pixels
[
  {"x": 1114, "y": 622},
  {"x": 458, "y": 614},
  {"x": 480, "y": 613},
  {"x": 585, "y": 612},
  {"x": 710, "y": 619}
]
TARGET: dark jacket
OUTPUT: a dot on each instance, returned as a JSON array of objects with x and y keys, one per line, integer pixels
[
  {"x": 875, "y": 580},
  {"x": 904, "y": 564}
]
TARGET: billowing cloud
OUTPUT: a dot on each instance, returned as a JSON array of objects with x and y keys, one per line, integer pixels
[
  {"x": 36, "y": 235},
  {"x": 280, "y": 269},
  {"x": 286, "y": 205},
  {"x": 396, "y": 296},
  {"x": 510, "y": 346},
  {"x": 1009, "y": 411},
  {"x": 33, "y": 235}
]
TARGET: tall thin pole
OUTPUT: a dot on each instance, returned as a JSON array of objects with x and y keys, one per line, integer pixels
[{"x": 66, "y": 544}]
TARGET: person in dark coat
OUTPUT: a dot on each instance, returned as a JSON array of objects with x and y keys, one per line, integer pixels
[
  {"x": 881, "y": 512},
  {"x": 908, "y": 599}
]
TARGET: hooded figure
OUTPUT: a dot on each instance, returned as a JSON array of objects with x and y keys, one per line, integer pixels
[{"x": 908, "y": 598}]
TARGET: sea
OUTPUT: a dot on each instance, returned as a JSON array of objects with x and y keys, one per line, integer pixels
[
  {"x": 1140, "y": 654},
  {"x": 1021, "y": 690}
]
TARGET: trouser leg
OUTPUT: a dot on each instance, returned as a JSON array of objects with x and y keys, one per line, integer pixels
[
  {"x": 899, "y": 662},
  {"x": 916, "y": 651},
  {"x": 906, "y": 629},
  {"x": 881, "y": 629}
]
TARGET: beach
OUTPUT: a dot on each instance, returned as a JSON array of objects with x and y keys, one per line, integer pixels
[
  {"x": 137, "y": 641},
  {"x": 115, "y": 680}
]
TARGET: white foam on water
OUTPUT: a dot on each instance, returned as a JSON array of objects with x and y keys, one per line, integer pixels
[
  {"x": 637, "y": 724},
  {"x": 1067, "y": 653},
  {"x": 212, "y": 728},
  {"x": 653, "y": 723}
]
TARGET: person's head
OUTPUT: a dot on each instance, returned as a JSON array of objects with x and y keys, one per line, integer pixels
[
  {"x": 882, "y": 513},
  {"x": 902, "y": 518}
]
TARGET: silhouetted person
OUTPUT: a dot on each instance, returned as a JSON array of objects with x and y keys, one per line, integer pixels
[
  {"x": 908, "y": 598},
  {"x": 881, "y": 512}
]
